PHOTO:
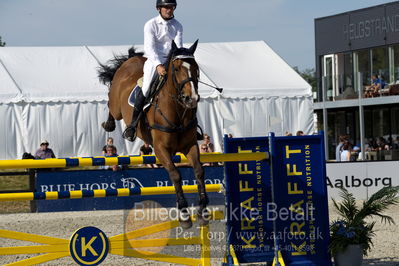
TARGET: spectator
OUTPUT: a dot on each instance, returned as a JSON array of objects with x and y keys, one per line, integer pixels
[
  {"x": 110, "y": 141},
  {"x": 382, "y": 144},
  {"x": 111, "y": 152},
  {"x": 204, "y": 148},
  {"x": 372, "y": 145},
  {"x": 288, "y": 134},
  {"x": 44, "y": 151},
  {"x": 230, "y": 136},
  {"x": 356, "y": 154},
  {"x": 346, "y": 152},
  {"x": 300, "y": 133},
  {"x": 146, "y": 149},
  {"x": 207, "y": 142},
  {"x": 377, "y": 83},
  {"x": 338, "y": 149},
  {"x": 27, "y": 155}
]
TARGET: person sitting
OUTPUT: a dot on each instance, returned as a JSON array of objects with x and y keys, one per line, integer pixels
[
  {"x": 111, "y": 152},
  {"x": 44, "y": 151},
  {"x": 146, "y": 149},
  {"x": 346, "y": 152},
  {"x": 377, "y": 83},
  {"x": 204, "y": 148},
  {"x": 110, "y": 141},
  {"x": 382, "y": 144},
  {"x": 208, "y": 143},
  {"x": 300, "y": 133}
]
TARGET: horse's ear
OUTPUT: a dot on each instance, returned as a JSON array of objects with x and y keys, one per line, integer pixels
[
  {"x": 193, "y": 47},
  {"x": 174, "y": 46}
]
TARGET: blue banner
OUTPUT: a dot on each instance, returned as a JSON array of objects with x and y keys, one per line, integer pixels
[
  {"x": 301, "y": 203},
  {"x": 106, "y": 179},
  {"x": 248, "y": 186},
  {"x": 293, "y": 217}
]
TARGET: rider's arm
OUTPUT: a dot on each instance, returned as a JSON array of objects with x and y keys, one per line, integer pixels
[
  {"x": 179, "y": 35},
  {"x": 149, "y": 43}
]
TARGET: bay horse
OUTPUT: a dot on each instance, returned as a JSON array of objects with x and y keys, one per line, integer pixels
[{"x": 170, "y": 123}]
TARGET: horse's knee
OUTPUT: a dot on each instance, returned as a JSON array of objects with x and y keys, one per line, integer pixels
[
  {"x": 199, "y": 171},
  {"x": 204, "y": 200}
]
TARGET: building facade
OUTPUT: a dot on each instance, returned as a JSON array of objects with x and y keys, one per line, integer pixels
[{"x": 357, "y": 67}]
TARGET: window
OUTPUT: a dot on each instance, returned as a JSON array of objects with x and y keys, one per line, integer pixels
[
  {"x": 394, "y": 63},
  {"x": 362, "y": 66},
  {"x": 380, "y": 64}
]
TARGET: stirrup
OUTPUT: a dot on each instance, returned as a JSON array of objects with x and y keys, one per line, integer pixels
[{"x": 128, "y": 136}]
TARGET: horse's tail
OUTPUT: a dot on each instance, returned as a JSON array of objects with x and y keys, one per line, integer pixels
[{"x": 107, "y": 71}]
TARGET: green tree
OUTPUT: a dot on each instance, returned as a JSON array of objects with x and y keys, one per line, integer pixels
[
  {"x": 309, "y": 75},
  {"x": 2, "y": 43}
]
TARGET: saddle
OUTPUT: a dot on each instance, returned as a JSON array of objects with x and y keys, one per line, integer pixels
[{"x": 156, "y": 83}]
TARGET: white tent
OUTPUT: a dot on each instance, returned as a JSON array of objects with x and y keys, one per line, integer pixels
[{"x": 53, "y": 93}]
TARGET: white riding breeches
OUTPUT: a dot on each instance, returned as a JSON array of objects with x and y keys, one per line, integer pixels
[{"x": 149, "y": 71}]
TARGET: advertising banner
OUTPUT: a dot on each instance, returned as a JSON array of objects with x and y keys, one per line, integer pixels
[
  {"x": 361, "y": 178},
  {"x": 248, "y": 189},
  {"x": 300, "y": 206},
  {"x": 102, "y": 179},
  {"x": 292, "y": 218}
]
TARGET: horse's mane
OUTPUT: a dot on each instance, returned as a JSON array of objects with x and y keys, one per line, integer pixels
[{"x": 107, "y": 71}]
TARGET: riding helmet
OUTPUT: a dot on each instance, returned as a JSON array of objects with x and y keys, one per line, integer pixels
[{"x": 161, "y": 3}]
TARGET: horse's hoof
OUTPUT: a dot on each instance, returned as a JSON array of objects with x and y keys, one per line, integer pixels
[
  {"x": 108, "y": 126},
  {"x": 204, "y": 217},
  {"x": 129, "y": 134},
  {"x": 202, "y": 221},
  {"x": 186, "y": 224},
  {"x": 185, "y": 219}
]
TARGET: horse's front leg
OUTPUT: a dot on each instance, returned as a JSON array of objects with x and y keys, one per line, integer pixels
[
  {"x": 165, "y": 158},
  {"x": 193, "y": 158}
]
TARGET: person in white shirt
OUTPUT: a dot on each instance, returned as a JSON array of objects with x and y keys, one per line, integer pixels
[{"x": 159, "y": 32}]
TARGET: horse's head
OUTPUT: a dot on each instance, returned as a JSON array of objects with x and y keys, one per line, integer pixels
[{"x": 185, "y": 75}]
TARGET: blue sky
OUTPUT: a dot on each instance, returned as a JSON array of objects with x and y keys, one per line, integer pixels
[{"x": 286, "y": 25}]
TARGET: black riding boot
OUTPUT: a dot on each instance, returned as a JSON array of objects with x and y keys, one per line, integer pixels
[{"x": 130, "y": 131}]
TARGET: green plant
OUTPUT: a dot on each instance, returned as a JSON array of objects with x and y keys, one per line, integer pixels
[{"x": 352, "y": 228}]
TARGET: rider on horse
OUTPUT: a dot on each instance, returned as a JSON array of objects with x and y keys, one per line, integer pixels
[{"x": 159, "y": 32}]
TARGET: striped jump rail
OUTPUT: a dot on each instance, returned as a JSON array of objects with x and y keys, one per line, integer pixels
[
  {"x": 126, "y": 160},
  {"x": 102, "y": 193}
]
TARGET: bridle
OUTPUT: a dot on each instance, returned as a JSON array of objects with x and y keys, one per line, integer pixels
[
  {"x": 173, "y": 128},
  {"x": 180, "y": 85}
]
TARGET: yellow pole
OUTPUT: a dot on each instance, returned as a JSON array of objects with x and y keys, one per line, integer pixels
[
  {"x": 134, "y": 160},
  {"x": 205, "y": 246},
  {"x": 102, "y": 193}
]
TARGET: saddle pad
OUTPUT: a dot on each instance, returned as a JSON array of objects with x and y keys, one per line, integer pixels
[{"x": 132, "y": 97}]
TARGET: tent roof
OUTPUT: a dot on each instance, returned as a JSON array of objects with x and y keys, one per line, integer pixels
[{"x": 52, "y": 74}]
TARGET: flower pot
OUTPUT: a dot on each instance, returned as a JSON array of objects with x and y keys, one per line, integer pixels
[{"x": 351, "y": 256}]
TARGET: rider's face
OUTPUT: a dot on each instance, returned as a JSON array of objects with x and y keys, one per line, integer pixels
[{"x": 167, "y": 11}]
